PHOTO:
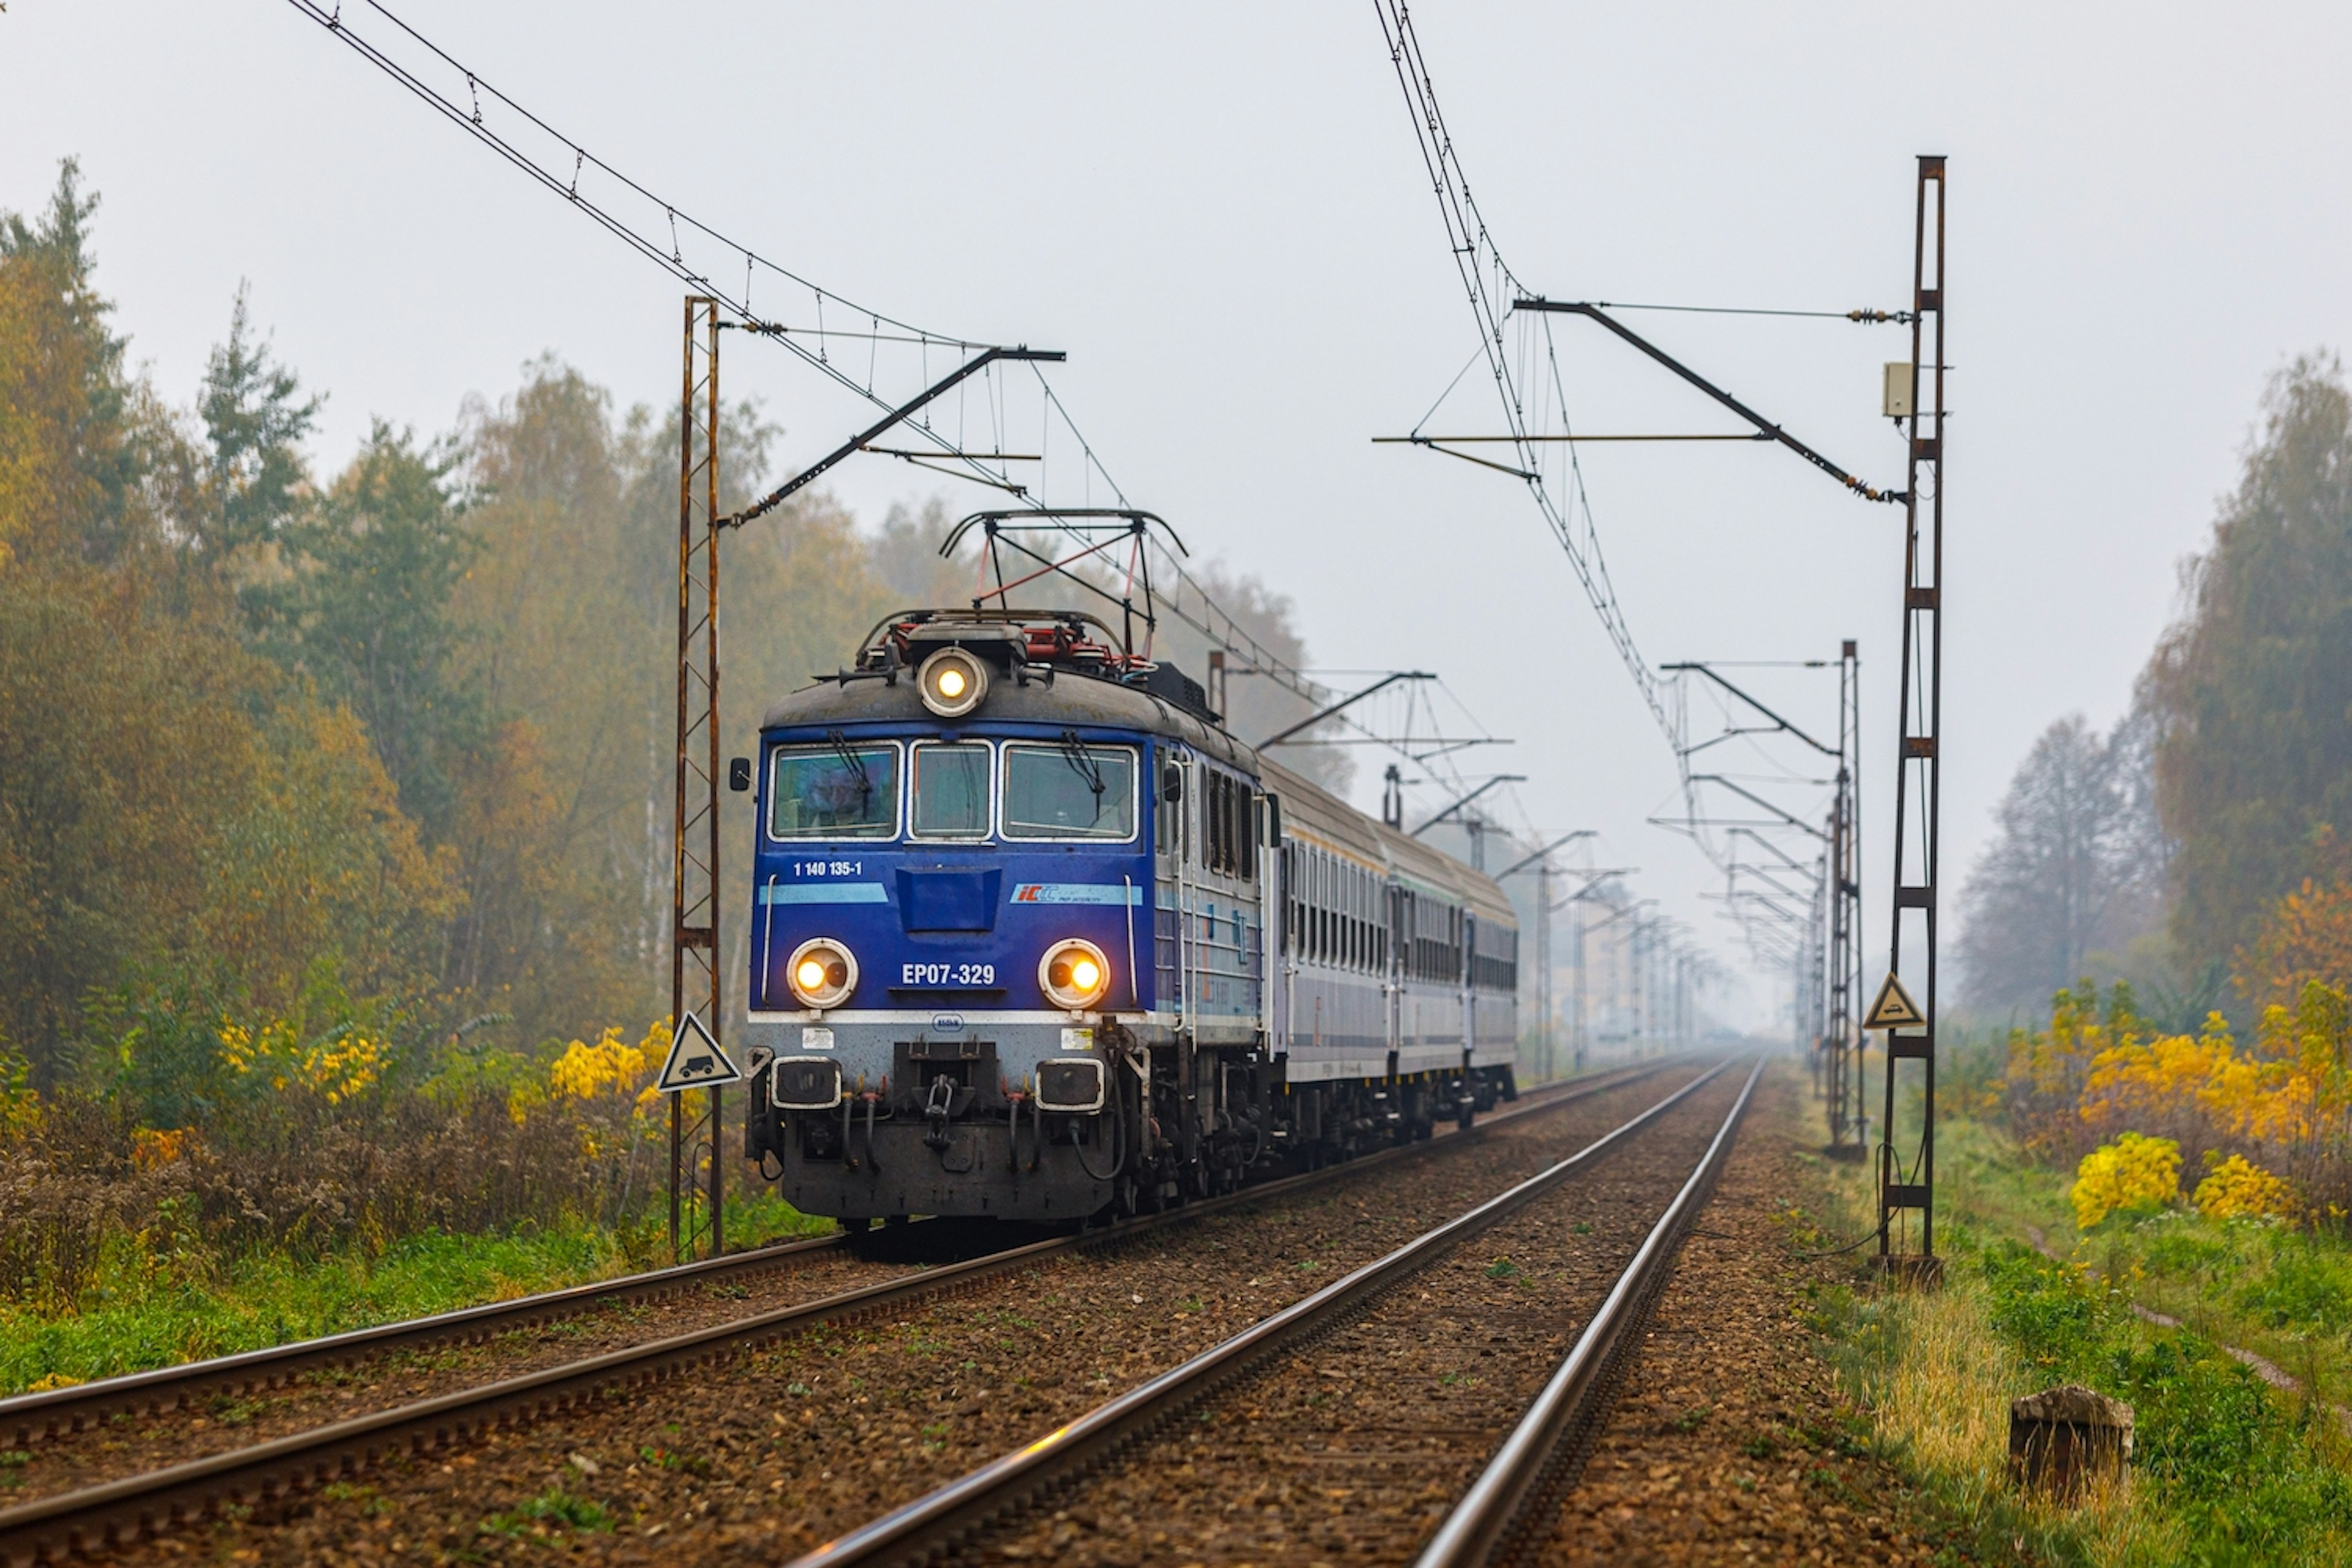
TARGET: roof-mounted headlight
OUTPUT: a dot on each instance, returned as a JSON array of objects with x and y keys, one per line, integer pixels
[
  {"x": 821, "y": 973},
  {"x": 1074, "y": 975},
  {"x": 952, "y": 682}
]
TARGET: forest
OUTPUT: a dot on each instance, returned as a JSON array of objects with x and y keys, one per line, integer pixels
[
  {"x": 2174, "y": 898},
  {"x": 2194, "y": 851},
  {"x": 335, "y": 806}
]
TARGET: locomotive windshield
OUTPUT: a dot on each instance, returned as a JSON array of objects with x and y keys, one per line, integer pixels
[
  {"x": 836, "y": 791},
  {"x": 951, "y": 791},
  {"x": 1069, "y": 790}
]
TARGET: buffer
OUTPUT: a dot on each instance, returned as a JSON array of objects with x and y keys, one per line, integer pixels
[
  {"x": 695, "y": 1060},
  {"x": 1893, "y": 1009}
]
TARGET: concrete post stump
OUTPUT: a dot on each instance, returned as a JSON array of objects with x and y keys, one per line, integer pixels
[{"x": 2063, "y": 1439}]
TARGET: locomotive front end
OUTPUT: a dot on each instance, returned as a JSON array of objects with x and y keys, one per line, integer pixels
[{"x": 952, "y": 889}]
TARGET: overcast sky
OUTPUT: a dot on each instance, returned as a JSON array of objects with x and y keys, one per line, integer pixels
[{"x": 1219, "y": 212}]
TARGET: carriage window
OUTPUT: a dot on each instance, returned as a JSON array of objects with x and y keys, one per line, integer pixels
[
  {"x": 1216, "y": 795},
  {"x": 1246, "y": 832},
  {"x": 847, "y": 789},
  {"x": 951, "y": 791},
  {"x": 1069, "y": 790}
]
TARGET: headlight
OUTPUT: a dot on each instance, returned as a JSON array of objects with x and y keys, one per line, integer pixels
[
  {"x": 1074, "y": 974},
  {"x": 821, "y": 973},
  {"x": 952, "y": 682}
]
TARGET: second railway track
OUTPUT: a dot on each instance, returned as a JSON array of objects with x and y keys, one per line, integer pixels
[{"x": 120, "y": 1509}]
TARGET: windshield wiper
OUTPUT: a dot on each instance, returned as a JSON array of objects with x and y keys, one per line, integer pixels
[
  {"x": 855, "y": 764},
  {"x": 1082, "y": 762}
]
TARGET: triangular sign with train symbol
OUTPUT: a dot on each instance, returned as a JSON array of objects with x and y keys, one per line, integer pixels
[
  {"x": 1893, "y": 1009},
  {"x": 695, "y": 1060}
]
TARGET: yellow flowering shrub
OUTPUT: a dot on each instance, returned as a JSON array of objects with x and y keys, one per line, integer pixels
[
  {"x": 337, "y": 1066},
  {"x": 2237, "y": 1188},
  {"x": 609, "y": 1071},
  {"x": 609, "y": 1066},
  {"x": 2131, "y": 1172},
  {"x": 2289, "y": 1095},
  {"x": 2148, "y": 1080},
  {"x": 2047, "y": 1071}
]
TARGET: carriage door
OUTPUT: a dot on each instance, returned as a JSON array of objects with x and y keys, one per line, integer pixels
[
  {"x": 1273, "y": 925},
  {"x": 1394, "y": 972},
  {"x": 1469, "y": 992},
  {"x": 1171, "y": 843}
]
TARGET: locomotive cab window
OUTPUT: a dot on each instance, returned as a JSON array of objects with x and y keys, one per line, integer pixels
[
  {"x": 950, "y": 790},
  {"x": 845, "y": 790},
  {"x": 1069, "y": 790}
]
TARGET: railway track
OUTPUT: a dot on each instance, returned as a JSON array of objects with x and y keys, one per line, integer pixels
[
  {"x": 1511, "y": 1508},
  {"x": 30, "y": 1417},
  {"x": 94, "y": 1518},
  {"x": 958, "y": 1517}
]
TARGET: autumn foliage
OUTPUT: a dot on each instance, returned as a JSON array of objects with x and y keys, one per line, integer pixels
[{"x": 2272, "y": 1123}]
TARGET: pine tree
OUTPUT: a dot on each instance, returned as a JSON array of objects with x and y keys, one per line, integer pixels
[
  {"x": 255, "y": 418},
  {"x": 365, "y": 613},
  {"x": 69, "y": 449}
]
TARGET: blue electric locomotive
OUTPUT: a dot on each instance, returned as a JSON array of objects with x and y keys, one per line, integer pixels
[{"x": 1034, "y": 937}]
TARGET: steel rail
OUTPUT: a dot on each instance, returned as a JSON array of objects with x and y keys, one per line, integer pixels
[
  {"x": 30, "y": 1417},
  {"x": 92, "y": 1519},
  {"x": 911, "y": 1532},
  {"x": 65, "y": 1410},
  {"x": 1504, "y": 1507},
  {"x": 57, "y": 1411}
]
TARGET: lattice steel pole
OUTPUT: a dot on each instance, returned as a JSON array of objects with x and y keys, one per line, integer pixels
[
  {"x": 1579, "y": 1030},
  {"x": 1543, "y": 967},
  {"x": 1845, "y": 915},
  {"x": 695, "y": 1166},
  {"x": 1908, "y": 1187}
]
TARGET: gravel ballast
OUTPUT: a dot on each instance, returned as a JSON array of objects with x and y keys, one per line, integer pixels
[
  {"x": 777, "y": 1451},
  {"x": 1731, "y": 1443},
  {"x": 1351, "y": 1450}
]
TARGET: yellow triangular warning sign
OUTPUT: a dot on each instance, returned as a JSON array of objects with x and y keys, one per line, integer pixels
[{"x": 1893, "y": 1009}]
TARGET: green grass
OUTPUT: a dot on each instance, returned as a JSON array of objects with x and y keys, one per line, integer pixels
[
  {"x": 762, "y": 1217},
  {"x": 2250, "y": 1477},
  {"x": 553, "y": 1510},
  {"x": 2228, "y": 1471},
  {"x": 2282, "y": 1293},
  {"x": 141, "y": 1316}
]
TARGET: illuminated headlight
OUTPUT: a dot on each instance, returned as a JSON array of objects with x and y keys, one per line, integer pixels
[
  {"x": 952, "y": 682},
  {"x": 1074, "y": 975},
  {"x": 821, "y": 973}
]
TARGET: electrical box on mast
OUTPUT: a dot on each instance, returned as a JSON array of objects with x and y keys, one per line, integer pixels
[{"x": 1894, "y": 396}]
